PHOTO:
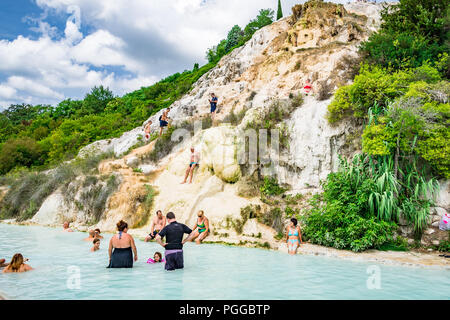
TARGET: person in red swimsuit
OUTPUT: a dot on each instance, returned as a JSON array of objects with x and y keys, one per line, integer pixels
[{"x": 308, "y": 87}]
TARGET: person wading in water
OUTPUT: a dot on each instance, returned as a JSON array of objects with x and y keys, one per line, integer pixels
[
  {"x": 174, "y": 233},
  {"x": 122, "y": 248}
]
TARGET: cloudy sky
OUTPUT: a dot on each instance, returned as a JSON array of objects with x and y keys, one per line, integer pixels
[{"x": 51, "y": 50}]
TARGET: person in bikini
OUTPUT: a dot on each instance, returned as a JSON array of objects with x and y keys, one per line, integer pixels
[
  {"x": 293, "y": 236},
  {"x": 195, "y": 158},
  {"x": 158, "y": 223},
  {"x": 201, "y": 229}
]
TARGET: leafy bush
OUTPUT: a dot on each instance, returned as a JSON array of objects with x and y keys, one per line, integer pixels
[
  {"x": 444, "y": 246},
  {"x": 337, "y": 225},
  {"x": 20, "y": 152},
  {"x": 412, "y": 32},
  {"x": 270, "y": 187}
]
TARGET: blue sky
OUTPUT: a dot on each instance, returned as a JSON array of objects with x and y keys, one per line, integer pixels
[{"x": 51, "y": 50}]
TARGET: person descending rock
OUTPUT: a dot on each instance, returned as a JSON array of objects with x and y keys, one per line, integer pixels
[
  {"x": 96, "y": 243},
  {"x": 163, "y": 121},
  {"x": 308, "y": 87},
  {"x": 201, "y": 229},
  {"x": 195, "y": 158},
  {"x": 293, "y": 236},
  {"x": 213, "y": 102},
  {"x": 173, "y": 233},
  {"x": 158, "y": 223},
  {"x": 91, "y": 236},
  {"x": 17, "y": 264},
  {"x": 124, "y": 248},
  {"x": 147, "y": 130},
  {"x": 66, "y": 227}
]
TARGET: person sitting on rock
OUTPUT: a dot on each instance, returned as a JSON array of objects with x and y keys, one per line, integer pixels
[
  {"x": 308, "y": 87},
  {"x": 66, "y": 227},
  {"x": 158, "y": 223},
  {"x": 195, "y": 158},
  {"x": 201, "y": 229}
]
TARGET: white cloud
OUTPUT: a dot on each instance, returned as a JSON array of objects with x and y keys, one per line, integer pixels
[
  {"x": 7, "y": 92},
  {"x": 148, "y": 39}
]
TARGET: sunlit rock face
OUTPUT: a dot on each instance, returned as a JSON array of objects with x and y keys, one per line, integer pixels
[{"x": 320, "y": 45}]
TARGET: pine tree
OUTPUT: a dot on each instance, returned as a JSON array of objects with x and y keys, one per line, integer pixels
[{"x": 279, "y": 11}]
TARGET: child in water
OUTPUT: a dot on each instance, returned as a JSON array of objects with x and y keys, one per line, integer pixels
[
  {"x": 96, "y": 246},
  {"x": 157, "y": 257}
]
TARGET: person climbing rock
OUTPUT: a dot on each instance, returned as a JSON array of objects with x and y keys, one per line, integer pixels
[
  {"x": 195, "y": 158},
  {"x": 164, "y": 121},
  {"x": 213, "y": 102},
  {"x": 147, "y": 130},
  {"x": 307, "y": 89}
]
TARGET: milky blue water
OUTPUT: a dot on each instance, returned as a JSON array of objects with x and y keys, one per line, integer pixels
[{"x": 211, "y": 272}]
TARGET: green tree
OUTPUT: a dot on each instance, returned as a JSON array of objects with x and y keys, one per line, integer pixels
[
  {"x": 19, "y": 152},
  {"x": 279, "y": 11},
  {"x": 96, "y": 101},
  {"x": 233, "y": 38}
]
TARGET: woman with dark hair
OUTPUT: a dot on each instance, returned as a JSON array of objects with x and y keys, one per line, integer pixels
[
  {"x": 17, "y": 264},
  {"x": 124, "y": 248},
  {"x": 293, "y": 236}
]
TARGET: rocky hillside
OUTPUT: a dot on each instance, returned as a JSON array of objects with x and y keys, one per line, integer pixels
[{"x": 266, "y": 74}]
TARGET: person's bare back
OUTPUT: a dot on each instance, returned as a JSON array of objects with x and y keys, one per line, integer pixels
[{"x": 124, "y": 242}]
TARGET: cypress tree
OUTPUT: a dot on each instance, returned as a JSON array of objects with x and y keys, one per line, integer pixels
[{"x": 279, "y": 11}]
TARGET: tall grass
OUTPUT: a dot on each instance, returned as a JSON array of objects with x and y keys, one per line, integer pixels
[{"x": 410, "y": 194}]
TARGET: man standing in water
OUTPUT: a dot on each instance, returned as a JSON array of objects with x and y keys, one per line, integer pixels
[
  {"x": 158, "y": 223},
  {"x": 174, "y": 232},
  {"x": 195, "y": 158}
]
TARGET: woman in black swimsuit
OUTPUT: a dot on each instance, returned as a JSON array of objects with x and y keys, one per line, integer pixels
[{"x": 124, "y": 248}]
